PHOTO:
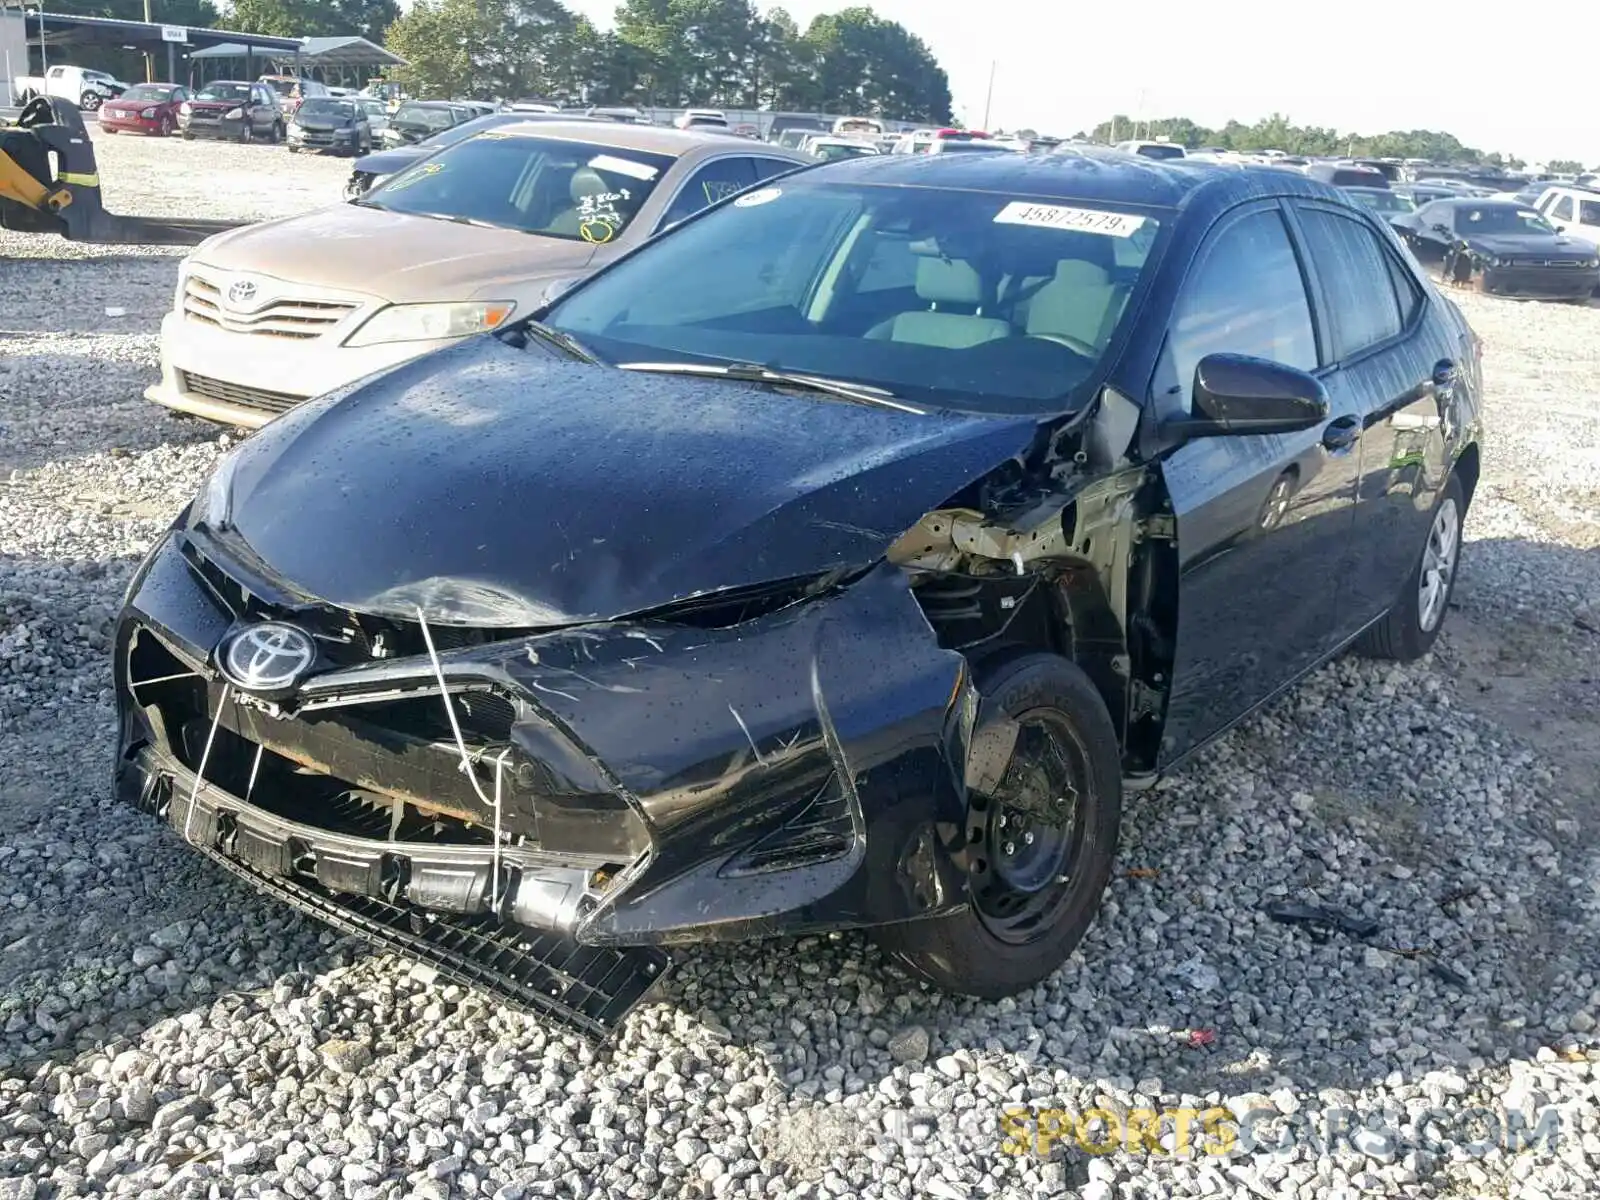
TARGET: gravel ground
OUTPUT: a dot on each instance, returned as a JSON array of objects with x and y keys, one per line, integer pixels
[{"x": 165, "y": 1032}]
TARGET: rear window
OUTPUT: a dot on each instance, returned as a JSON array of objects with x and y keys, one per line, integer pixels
[
  {"x": 1162, "y": 151},
  {"x": 576, "y": 191},
  {"x": 1349, "y": 178}
]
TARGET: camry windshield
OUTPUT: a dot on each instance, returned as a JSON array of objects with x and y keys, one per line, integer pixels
[
  {"x": 1500, "y": 218},
  {"x": 224, "y": 91},
  {"x": 959, "y": 299},
  {"x": 578, "y": 191},
  {"x": 149, "y": 91},
  {"x": 340, "y": 110},
  {"x": 418, "y": 117}
]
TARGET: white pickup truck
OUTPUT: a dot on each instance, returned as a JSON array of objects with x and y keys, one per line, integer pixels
[{"x": 85, "y": 88}]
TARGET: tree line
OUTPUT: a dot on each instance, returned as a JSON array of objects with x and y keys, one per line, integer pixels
[
  {"x": 1277, "y": 132},
  {"x": 671, "y": 53}
]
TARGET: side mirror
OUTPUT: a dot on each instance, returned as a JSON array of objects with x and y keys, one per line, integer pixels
[
  {"x": 1561, "y": 228},
  {"x": 1235, "y": 394}
]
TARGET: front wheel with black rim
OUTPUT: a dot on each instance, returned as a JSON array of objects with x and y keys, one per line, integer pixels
[
  {"x": 1410, "y": 628},
  {"x": 1040, "y": 837}
]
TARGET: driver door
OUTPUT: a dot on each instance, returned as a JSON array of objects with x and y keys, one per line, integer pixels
[{"x": 1264, "y": 521}]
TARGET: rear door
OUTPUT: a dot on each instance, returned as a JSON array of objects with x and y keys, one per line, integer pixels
[
  {"x": 1388, "y": 362},
  {"x": 1263, "y": 521}
]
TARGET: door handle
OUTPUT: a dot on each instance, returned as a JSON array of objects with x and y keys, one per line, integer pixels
[{"x": 1341, "y": 434}]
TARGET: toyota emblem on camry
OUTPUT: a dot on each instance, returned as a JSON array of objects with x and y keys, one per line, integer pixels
[
  {"x": 268, "y": 657},
  {"x": 241, "y": 293}
]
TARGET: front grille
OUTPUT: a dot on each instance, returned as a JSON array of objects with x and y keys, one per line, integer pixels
[
  {"x": 297, "y": 317},
  {"x": 257, "y": 399}
]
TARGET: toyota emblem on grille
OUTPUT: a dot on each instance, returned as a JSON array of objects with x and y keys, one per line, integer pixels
[
  {"x": 268, "y": 657},
  {"x": 241, "y": 292}
]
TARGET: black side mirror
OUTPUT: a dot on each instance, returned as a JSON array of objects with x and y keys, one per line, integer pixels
[{"x": 1235, "y": 394}]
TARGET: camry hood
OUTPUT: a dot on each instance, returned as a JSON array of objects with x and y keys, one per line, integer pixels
[
  {"x": 395, "y": 256},
  {"x": 500, "y": 487}
]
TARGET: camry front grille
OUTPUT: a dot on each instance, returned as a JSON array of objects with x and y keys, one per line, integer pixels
[{"x": 295, "y": 317}]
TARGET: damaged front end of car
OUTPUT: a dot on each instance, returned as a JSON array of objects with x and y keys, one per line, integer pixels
[{"x": 546, "y": 809}]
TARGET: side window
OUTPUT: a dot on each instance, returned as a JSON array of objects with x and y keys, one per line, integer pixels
[
  {"x": 766, "y": 168},
  {"x": 1355, "y": 274},
  {"x": 1406, "y": 290},
  {"x": 714, "y": 181},
  {"x": 1589, "y": 212},
  {"x": 1561, "y": 210},
  {"x": 1246, "y": 296}
]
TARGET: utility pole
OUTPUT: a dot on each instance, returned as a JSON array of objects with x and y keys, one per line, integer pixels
[
  {"x": 989, "y": 99},
  {"x": 149, "y": 57}
]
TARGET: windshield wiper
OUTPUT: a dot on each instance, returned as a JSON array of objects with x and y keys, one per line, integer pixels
[
  {"x": 859, "y": 393},
  {"x": 556, "y": 338}
]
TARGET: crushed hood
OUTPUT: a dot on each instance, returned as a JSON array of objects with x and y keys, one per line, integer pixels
[
  {"x": 496, "y": 486},
  {"x": 395, "y": 256}
]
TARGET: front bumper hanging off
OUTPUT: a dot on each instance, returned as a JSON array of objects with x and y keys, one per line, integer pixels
[{"x": 656, "y": 783}]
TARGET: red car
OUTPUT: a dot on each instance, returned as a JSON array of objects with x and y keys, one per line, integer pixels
[{"x": 144, "y": 108}]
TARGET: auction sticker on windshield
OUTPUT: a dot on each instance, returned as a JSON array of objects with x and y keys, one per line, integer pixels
[
  {"x": 764, "y": 196},
  {"x": 1085, "y": 220}
]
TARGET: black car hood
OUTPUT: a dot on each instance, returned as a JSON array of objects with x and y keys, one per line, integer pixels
[
  {"x": 324, "y": 124},
  {"x": 502, "y": 487},
  {"x": 1553, "y": 244},
  {"x": 387, "y": 162}
]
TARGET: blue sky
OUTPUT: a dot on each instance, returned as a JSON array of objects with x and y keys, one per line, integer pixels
[{"x": 1363, "y": 66}]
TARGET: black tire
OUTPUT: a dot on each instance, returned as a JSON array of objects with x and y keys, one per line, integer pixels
[
  {"x": 166, "y": 127},
  {"x": 187, "y": 136},
  {"x": 277, "y": 133},
  {"x": 247, "y": 132},
  {"x": 978, "y": 952},
  {"x": 1403, "y": 635}
]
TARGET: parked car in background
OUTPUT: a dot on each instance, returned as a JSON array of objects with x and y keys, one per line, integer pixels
[
  {"x": 233, "y": 110},
  {"x": 292, "y": 89},
  {"x": 366, "y": 172},
  {"x": 702, "y": 118},
  {"x": 868, "y": 127},
  {"x": 1423, "y": 193},
  {"x": 790, "y": 580},
  {"x": 983, "y": 145},
  {"x": 145, "y": 108},
  {"x": 1572, "y": 210},
  {"x": 627, "y": 115},
  {"x": 1343, "y": 175},
  {"x": 415, "y": 120},
  {"x": 790, "y": 131},
  {"x": 1502, "y": 247},
  {"x": 78, "y": 85},
  {"x": 922, "y": 141},
  {"x": 1153, "y": 149},
  {"x": 377, "y": 114},
  {"x": 326, "y": 124},
  {"x": 830, "y": 149},
  {"x": 271, "y": 314},
  {"x": 1384, "y": 202}
]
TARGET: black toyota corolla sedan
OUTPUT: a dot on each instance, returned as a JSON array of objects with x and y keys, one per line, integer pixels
[{"x": 835, "y": 560}]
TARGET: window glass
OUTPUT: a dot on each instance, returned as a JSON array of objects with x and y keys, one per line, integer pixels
[
  {"x": 1356, "y": 279},
  {"x": 903, "y": 289},
  {"x": 766, "y": 168},
  {"x": 579, "y": 191},
  {"x": 1562, "y": 209},
  {"x": 1406, "y": 290},
  {"x": 1247, "y": 296},
  {"x": 715, "y": 181},
  {"x": 1589, "y": 212}
]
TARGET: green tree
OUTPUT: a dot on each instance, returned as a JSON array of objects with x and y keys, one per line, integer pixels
[
  {"x": 874, "y": 67},
  {"x": 1564, "y": 166},
  {"x": 495, "y": 48},
  {"x": 314, "y": 18}
]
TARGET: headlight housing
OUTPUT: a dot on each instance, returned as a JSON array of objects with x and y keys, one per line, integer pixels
[
  {"x": 185, "y": 109},
  {"x": 233, "y": 114},
  {"x": 213, "y": 507},
  {"x": 431, "y": 322},
  {"x": 149, "y": 114}
]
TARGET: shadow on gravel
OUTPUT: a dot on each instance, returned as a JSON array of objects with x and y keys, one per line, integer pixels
[{"x": 1380, "y": 790}]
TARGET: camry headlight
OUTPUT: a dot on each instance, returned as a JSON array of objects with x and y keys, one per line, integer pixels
[
  {"x": 431, "y": 322},
  {"x": 185, "y": 108},
  {"x": 233, "y": 114}
]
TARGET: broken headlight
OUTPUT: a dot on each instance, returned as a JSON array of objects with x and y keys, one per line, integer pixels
[{"x": 431, "y": 322}]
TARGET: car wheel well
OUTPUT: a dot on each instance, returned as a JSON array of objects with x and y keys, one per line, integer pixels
[{"x": 1469, "y": 463}]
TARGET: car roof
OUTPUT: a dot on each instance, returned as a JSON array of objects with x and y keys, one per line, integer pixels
[
  {"x": 651, "y": 139},
  {"x": 1091, "y": 173}
]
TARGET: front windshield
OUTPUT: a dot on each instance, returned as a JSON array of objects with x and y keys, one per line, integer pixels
[
  {"x": 1383, "y": 202},
  {"x": 224, "y": 91},
  {"x": 342, "y": 110},
  {"x": 417, "y": 117},
  {"x": 1500, "y": 218},
  {"x": 375, "y": 108},
  {"x": 149, "y": 91},
  {"x": 577, "y": 191},
  {"x": 960, "y": 299}
]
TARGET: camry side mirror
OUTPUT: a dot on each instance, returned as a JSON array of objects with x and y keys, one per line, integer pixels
[{"x": 1235, "y": 394}]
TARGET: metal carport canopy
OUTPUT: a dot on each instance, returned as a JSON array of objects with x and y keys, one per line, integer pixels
[
  {"x": 61, "y": 29},
  {"x": 324, "y": 52}
]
